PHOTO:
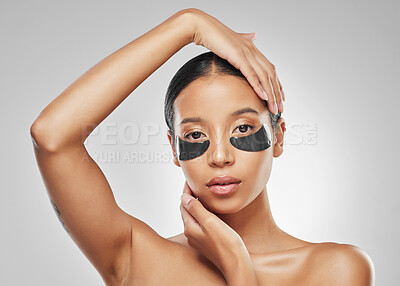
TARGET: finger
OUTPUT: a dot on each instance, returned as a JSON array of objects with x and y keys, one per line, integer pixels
[
  {"x": 277, "y": 91},
  {"x": 274, "y": 78},
  {"x": 196, "y": 209},
  {"x": 266, "y": 74},
  {"x": 266, "y": 81},
  {"x": 282, "y": 92},
  {"x": 273, "y": 107},
  {"x": 187, "y": 218},
  {"x": 190, "y": 224},
  {"x": 248, "y": 71}
]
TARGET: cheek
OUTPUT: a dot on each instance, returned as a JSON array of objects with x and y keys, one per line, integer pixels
[
  {"x": 193, "y": 174},
  {"x": 254, "y": 160},
  {"x": 255, "y": 167}
]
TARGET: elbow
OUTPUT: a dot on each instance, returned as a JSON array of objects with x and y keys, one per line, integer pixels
[{"x": 41, "y": 136}]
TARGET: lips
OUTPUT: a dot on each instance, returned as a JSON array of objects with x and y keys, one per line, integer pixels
[
  {"x": 223, "y": 185},
  {"x": 223, "y": 180}
]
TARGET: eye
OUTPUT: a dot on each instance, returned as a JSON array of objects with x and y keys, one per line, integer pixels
[
  {"x": 244, "y": 128},
  {"x": 195, "y": 135}
]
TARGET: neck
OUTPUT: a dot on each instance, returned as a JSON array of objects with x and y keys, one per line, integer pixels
[{"x": 257, "y": 227}]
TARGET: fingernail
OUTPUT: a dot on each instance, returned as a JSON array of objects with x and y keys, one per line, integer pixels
[
  {"x": 265, "y": 95},
  {"x": 276, "y": 108},
  {"x": 186, "y": 199},
  {"x": 281, "y": 106}
]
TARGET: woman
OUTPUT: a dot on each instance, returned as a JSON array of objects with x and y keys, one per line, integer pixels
[{"x": 222, "y": 134}]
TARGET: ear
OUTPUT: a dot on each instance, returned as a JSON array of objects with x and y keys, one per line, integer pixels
[
  {"x": 279, "y": 135},
  {"x": 176, "y": 161}
]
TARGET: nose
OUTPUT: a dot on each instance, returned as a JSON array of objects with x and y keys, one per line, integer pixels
[{"x": 221, "y": 153}]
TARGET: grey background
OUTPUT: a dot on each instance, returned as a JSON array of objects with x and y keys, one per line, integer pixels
[{"x": 338, "y": 179}]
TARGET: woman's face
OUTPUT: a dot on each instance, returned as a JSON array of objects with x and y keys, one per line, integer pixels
[{"x": 213, "y": 100}]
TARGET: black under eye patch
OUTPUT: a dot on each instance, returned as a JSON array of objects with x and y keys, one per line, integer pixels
[
  {"x": 255, "y": 142},
  {"x": 190, "y": 150},
  {"x": 258, "y": 141}
]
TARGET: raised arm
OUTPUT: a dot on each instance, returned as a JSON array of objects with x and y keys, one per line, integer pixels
[
  {"x": 94, "y": 95},
  {"x": 78, "y": 190}
]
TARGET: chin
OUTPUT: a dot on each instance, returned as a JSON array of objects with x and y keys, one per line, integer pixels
[{"x": 223, "y": 205}]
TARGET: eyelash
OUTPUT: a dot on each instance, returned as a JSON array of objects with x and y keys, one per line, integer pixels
[{"x": 187, "y": 135}]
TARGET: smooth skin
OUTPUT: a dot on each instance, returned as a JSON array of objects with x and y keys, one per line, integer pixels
[{"x": 125, "y": 250}]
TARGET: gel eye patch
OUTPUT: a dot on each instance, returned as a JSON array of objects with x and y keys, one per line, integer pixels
[
  {"x": 257, "y": 141},
  {"x": 190, "y": 150}
]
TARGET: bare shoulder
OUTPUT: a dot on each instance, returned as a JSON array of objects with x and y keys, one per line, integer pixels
[
  {"x": 156, "y": 260},
  {"x": 341, "y": 264}
]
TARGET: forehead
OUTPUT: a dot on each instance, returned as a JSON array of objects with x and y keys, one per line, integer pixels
[{"x": 214, "y": 99}]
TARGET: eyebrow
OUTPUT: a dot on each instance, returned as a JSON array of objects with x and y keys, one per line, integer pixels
[{"x": 233, "y": 114}]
